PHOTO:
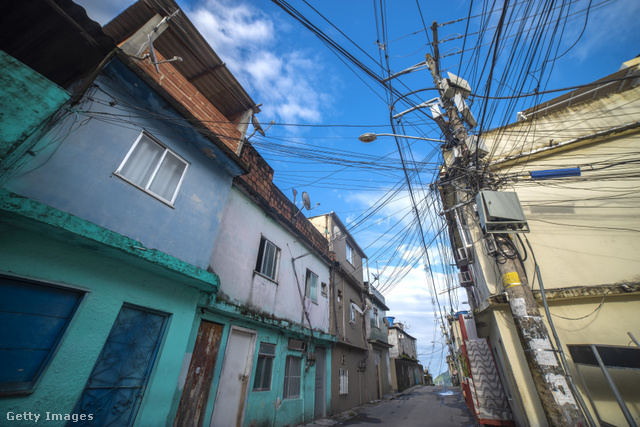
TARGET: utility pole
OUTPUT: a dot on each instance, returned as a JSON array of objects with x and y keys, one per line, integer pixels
[{"x": 548, "y": 376}]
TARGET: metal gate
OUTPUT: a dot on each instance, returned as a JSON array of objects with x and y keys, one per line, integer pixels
[{"x": 116, "y": 385}]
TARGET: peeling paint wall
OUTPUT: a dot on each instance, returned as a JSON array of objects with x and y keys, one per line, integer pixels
[
  {"x": 27, "y": 99},
  {"x": 234, "y": 260}
]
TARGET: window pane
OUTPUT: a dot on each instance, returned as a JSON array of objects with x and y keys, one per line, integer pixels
[
  {"x": 311, "y": 285},
  {"x": 142, "y": 161},
  {"x": 266, "y": 377},
  {"x": 166, "y": 180},
  {"x": 257, "y": 383},
  {"x": 267, "y": 260},
  {"x": 292, "y": 378}
]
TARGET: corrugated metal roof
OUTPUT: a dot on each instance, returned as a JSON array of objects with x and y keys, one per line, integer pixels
[{"x": 200, "y": 64}]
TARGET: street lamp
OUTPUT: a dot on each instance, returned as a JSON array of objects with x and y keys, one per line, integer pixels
[{"x": 370, "y": 137}]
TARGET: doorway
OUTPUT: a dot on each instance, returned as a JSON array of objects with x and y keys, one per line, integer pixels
[
  {"x": 320, "y": 405},
  {"x": 234, "y": 379}
]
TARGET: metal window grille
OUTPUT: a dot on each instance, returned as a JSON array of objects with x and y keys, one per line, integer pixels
[
  {"x": 344, "y": 381},
  {"x": 292, "y": 374},
  {"x": 264, "y": 367}
]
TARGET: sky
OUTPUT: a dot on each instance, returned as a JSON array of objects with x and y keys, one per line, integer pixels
[{"x": 323, "y": 94}]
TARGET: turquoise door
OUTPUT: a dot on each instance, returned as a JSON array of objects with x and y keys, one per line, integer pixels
[{"x": 116, "y": 385}]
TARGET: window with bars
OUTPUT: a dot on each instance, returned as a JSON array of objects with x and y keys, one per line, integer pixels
[
  {"x": 155, "y": 169},
  {"x": 292, "y": 374},
  {"x": 264, "y": 367},
  {"x": 344, "y": 381},
  {"x": 268, "y": 259},
  {"x": 311, "y": 286}
]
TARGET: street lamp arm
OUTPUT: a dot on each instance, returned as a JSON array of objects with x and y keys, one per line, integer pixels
[{"x": 370, "y": 137}]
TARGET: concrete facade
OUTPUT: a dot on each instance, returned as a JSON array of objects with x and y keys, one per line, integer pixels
[
  {"x": 275, "y": 310},
  {"x": 360, "y": 358},
  {"x": 583, "y": 237}
]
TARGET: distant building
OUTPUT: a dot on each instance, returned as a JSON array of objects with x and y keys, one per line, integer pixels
[{"x": 405, "y": 369}]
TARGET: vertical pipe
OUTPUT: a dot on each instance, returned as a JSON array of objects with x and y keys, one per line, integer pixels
[{"x": 613, "y": 387}]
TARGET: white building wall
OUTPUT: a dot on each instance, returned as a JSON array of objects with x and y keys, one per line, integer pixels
[{"x": 234, "y": 261}]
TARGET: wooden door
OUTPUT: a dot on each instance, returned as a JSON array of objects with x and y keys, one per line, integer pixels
[{"x": 195, "y": 394}]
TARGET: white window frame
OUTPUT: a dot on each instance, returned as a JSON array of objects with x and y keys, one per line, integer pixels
[
  {"x": 308, "y": 281},
  {"x": 260, "y": 269},
  {"x": 352, "y": 312},
  {"x": 350, "y": 253},
  {"x": 145, "y": 186},
  {"x": 375, "y": 318},
  {"x": 343, "y": 378}
]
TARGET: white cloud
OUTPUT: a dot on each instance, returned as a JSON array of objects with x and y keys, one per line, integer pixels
[
  {"x": 287, "y": 81},
  {"x": 411, "y": 302},
  {"x": 104, "y": 11}
]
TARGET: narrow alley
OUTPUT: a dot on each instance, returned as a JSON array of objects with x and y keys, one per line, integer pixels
[{"x": 419, "y": 406}]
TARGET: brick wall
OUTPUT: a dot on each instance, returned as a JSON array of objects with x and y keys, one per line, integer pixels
[
  {"x": 184, "y": 92},
  {"x": 258, "y": 184}
]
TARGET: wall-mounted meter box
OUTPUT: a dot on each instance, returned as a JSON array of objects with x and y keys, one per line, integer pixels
[{"x": 501, "y": 212}]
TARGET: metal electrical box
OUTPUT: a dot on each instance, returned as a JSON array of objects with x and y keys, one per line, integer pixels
[{"x": 501, "y": 212}]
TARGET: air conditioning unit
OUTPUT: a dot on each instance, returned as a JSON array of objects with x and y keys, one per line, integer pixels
[
  {"x": 501, "y": 212},
  {"x": 465, "y": 279},
  {"x": 463, "y": 257},
  {"x": 297, "y": 344}
]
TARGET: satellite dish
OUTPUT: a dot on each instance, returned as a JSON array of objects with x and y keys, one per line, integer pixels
[
  {"x": 306, "y": 201},
  {"x": 256, "y": 125}
]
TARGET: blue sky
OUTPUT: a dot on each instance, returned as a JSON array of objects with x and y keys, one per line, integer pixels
[{"x": 321, "y": 103}]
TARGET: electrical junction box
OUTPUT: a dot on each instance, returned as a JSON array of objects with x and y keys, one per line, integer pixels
[
  {"x": 464, "y": 110},
  {"x": 501, "y": 212},
  {"x": 460, "y": 85},
  {"x": 473, "y": 143}
]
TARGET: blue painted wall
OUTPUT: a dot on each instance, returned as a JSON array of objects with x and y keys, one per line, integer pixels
[{"x": 74, "y": 164}]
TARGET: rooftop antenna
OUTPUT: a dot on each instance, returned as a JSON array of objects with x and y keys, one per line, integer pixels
[{"x": 152, "y": 52}]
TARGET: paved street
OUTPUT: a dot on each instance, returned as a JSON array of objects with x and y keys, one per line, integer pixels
[{"x": 423, "y": 406}]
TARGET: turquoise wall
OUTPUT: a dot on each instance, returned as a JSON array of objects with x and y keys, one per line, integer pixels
[
  {"x": 27, "y": 99},
  {"x": 110, "y": 278},
  {"x": 262, "y": 408}
]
